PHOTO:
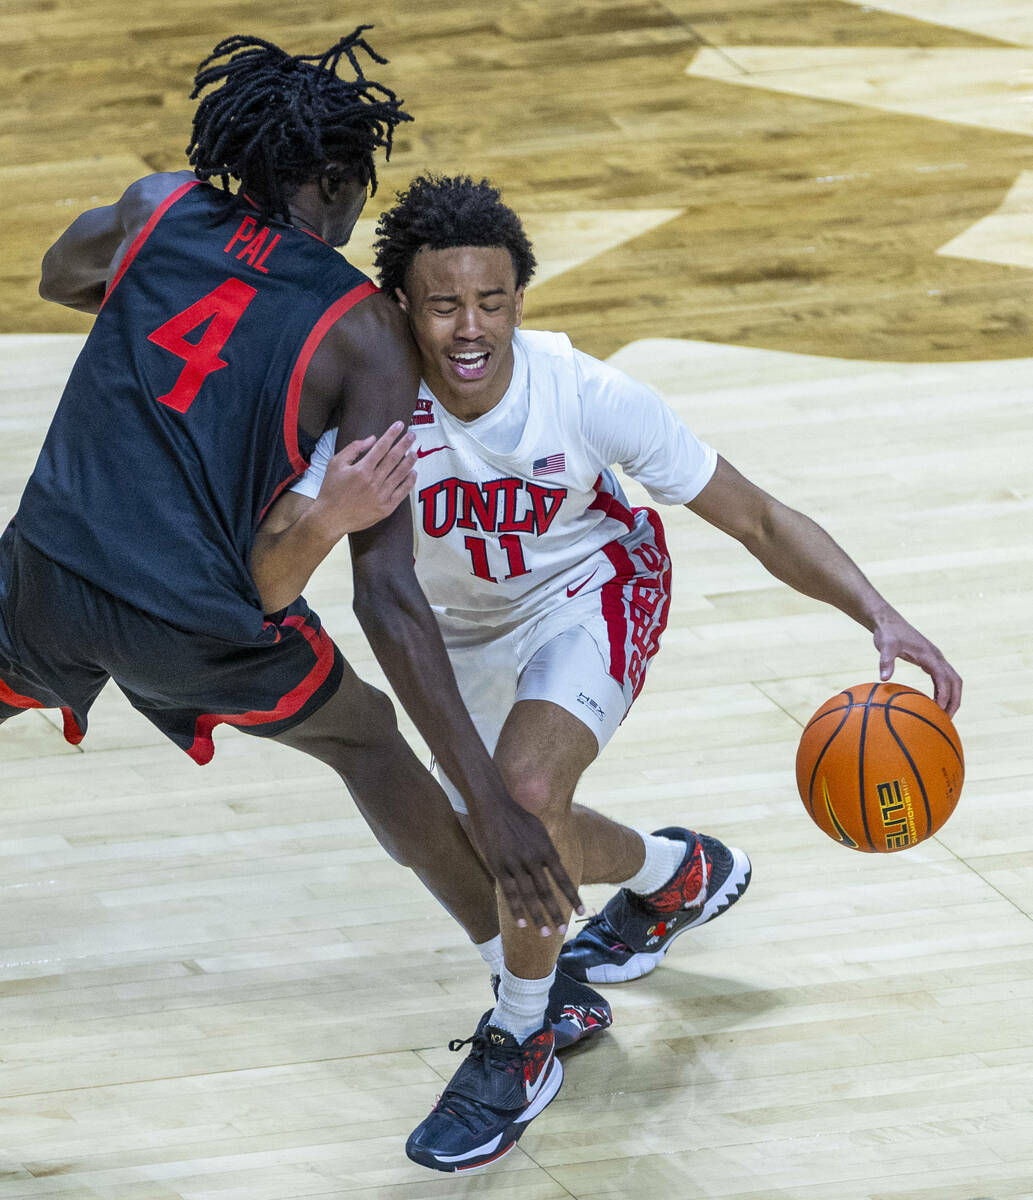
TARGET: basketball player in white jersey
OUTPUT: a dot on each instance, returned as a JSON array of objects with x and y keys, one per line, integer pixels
[{"x": 551, "y": 594}]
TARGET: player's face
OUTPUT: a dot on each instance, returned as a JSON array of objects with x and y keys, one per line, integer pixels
[{"x": 463, "y": 305}]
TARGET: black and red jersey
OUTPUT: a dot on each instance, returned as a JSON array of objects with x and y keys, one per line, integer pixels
[{"x": 179, "y": 422}]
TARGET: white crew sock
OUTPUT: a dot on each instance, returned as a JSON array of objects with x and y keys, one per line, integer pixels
[
  {"x": 491, "y": 952},
  {"x": 521, "y": 1005},
  {"x": 663, "y": 858}
]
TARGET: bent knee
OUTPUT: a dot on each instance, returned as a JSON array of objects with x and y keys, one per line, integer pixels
[{"x": 539, "y": 793}]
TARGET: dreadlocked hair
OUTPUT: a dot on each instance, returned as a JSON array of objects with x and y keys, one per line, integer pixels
[
  {"x": 439, "y": 212},
  {"x": 278, "y": 119}
]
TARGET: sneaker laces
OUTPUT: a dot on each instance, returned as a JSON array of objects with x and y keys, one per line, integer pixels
[
  {"x": 464, "y": 1108},
  {"x": 599, "y": 925}
]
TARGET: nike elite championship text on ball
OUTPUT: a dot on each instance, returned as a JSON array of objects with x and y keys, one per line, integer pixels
[{"x": 880, "y": 767}]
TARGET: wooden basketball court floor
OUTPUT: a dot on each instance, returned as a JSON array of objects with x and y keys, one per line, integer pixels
[{"x": 808, "y": 223}]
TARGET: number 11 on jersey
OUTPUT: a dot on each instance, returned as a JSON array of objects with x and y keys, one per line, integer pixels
[{"x": 479, "y": 556}]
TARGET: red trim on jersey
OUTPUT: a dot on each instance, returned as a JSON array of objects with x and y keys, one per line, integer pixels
[
  {"x": 146, "y": 232},
  {"x": 203, "y": 748},
  {"x": 319, "y": 331},
  {"x": 9, "y": 696},
  {"x": 257, "y": 208},
  {"x": 607, "y": 503},
  {"x": 276, "y": 495}
]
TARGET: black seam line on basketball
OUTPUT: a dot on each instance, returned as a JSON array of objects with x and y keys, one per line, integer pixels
[
  {"x": 871, "y": 704},
  {"x": 914, "y": 770},
  {"x": 860, "y": 765},
  {"x": 817, "y": 764},
  {"x": 932, "y": 725}
]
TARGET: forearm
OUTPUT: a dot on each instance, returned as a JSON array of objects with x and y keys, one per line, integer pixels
[
  {"x": 283, "y": 562},
  {"x": 405, "y": 638},
  {"x": 799, "y": 552}
]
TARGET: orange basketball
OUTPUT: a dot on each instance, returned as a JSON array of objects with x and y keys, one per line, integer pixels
[{"x": 880, "y": 767}]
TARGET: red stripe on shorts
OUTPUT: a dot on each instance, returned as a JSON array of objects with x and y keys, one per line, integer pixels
[
  {"x": 73, "y": 734},
  {"x": 660, "y": 623},
  {"x": 203, "y": 748},
  {"x": 15, "y": 700},
  {"x": 630, "y": 619},
  {"x": 614, "y": 613}
]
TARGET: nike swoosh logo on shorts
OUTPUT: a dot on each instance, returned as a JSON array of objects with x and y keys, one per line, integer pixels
[
  {"x": 573, "y": 591},
  {"x": 420, "y": 453}
]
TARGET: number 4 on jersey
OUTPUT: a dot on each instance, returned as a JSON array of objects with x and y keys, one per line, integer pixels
[{"x": 222, "y": 309}]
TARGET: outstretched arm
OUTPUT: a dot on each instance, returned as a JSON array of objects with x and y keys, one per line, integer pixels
[
  {"x": 80, "y": 264},
  {"x": 799, "y": 552}
]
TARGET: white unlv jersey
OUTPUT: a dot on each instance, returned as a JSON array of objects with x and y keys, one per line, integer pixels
[{"x": 518, "y": 511}]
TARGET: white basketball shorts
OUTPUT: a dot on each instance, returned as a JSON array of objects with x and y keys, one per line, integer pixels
[{"x": 588, "y": 655}]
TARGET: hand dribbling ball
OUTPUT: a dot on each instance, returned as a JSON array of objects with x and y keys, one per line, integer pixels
[{"x": 880, "y": 767}]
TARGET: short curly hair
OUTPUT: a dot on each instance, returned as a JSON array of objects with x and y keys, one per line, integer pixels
[{"x": 439, "y": 212}]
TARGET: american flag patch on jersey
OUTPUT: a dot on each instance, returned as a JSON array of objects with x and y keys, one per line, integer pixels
[{"x": 549, "y": 466}]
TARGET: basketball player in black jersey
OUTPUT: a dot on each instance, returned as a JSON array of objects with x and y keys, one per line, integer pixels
[{"x": 229, "y": 335}]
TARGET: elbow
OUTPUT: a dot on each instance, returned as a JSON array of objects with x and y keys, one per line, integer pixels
[
  {"x": 47, "y": 289},
  {"x": 50, "y": 279}
]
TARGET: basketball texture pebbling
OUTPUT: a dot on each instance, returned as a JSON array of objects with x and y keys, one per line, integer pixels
[{"x": 880, "y": 767}]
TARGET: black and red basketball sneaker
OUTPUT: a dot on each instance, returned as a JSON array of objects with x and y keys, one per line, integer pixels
[
  {"x": 499, "y": 1088},
  {"x": 633, "y": 933}
]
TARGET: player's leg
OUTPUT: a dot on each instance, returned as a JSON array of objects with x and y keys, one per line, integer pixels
[
  {"x": 542, "y": 752},
  {"x": 355, "y": 733},
  {"x": 512, "y": 1072},
  {"x": 673, "y": 879},
  {"x": 292, "y": 685},
  {"x": 487, "y": 673}
]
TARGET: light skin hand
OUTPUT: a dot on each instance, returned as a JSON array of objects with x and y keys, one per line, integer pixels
[
  {"x": 366, "y": 480},
  {"x": 896, "y": 638}
]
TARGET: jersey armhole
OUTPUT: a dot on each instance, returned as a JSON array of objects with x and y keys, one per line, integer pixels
[
  {"x": 146, "y": 232},
  {"x": 319, "y": 331}
]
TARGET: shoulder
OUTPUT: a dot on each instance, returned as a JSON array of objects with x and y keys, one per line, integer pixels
[
  {"x": 555, "y": 351},
  {"x": 540, "y": 345},
  {"x": 371, "y": 327},
  {"x": 366, "y": 363},
  {"x": 144, "y": 196}
]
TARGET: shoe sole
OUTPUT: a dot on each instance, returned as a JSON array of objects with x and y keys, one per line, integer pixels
[
  {"x": 500, "y": 1145},
  {"x": 642, "y": 962}
]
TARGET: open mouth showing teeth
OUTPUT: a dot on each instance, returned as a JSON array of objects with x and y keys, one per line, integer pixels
[{"x": 471, "y": 364}]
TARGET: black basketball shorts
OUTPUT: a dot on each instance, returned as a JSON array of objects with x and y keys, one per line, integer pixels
[{"x": 62, "y": 638}]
